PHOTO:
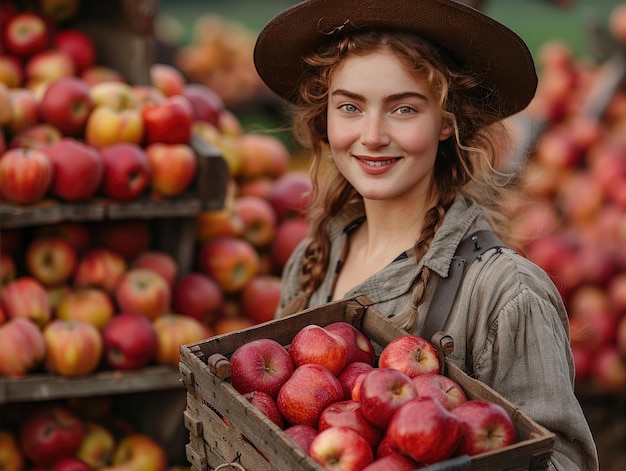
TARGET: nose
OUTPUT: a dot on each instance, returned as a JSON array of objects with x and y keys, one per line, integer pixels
[{"x": 374, "y": 133}]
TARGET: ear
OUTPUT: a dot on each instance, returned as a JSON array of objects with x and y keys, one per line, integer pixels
[{"x": 446, "y": 130}]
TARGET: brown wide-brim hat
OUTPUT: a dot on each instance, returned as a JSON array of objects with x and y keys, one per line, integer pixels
[{"x": 476, "y": 41}]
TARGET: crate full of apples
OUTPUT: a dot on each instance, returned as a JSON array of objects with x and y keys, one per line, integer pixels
[{"x": 310, "y": 390}]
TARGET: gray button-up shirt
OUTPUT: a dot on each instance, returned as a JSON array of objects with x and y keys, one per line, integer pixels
[{"x": 508, "y": 322}]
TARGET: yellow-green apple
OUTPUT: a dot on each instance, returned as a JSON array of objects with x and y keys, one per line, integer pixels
[
  {"x": 197, "y": 295},
  {"x": 259, "y": 219},
  {"x": 117, "y": 95},
  {"x": 26, "y": 297},
  {"x": 7, "y": 268},
  {"x": 441, "y": 388},
  {"x": 314, "y": 344},
  {"x": 382, "y": 392},
  {"x": 290, "y": 195},
  {"x": 393, "y": 460},
  {"x": 289, "y": 234},
  {"x": 138, "y": 452},
  {"x": 25, "y": 175},
  {"x": 174, "y": 168},
  {"x": 145, "y": 292},
  {"x": 341, "y": 448},
  {"x": 267, "y": 405},
  {"x": 89, "y": 304},
  {"x": 107, "y": 126},
  {"x": 226, "y": 145},
  {"x": 78, "y": 45},
  {"x": 160, "y": 261},
  {"x": 78, "y": 169},
  {"x": 360, "y": 348},
  {"x": 261, "y": 365},
  {"x": 229, "y": 124},
  {"x": 76, "y": 233},
  {"x": 174, "y": 330},
  {"x": 70, "y": 463},
  {"x": 230, "y": 261},
  {"x": 608, "y": 372},
  {"x": 11, "y": 71},
  {"x": 128, "y": 237},
  {"x": 73, "y": 348},
  {"x": 48, "y": 66},
  {"x": 348, "y": 413},
  {"x": 50, "y": 433},
  {"x": 410, "y": 354},
  {"x": 127, "y": 171},
  {"x": 302, "y": 435},
  {"x": 101, "y": 268},
  {"x": 167, "y": 78},
  {"x": 38, "y": 136},
  {"x": 11, "y": 458},
  {"x": 26, "y": 33},
  {"x": 101, "y": 73},
  {"x": 309, "y": 390},
  {"x": 51, "y": 260},
  {"x": 260, "y": 297},
  {"x": 23, "y": 347},
  {"x": 424, "y": 430},
  {"x": 218, "y": 223},
  {"x": 168, "y": 121},
  {"x": 349, "y": 375},
  {"x": 97, "y": 445},
  {"x": 485, "y": 426},
  {"x": 262, "y": 155},
  {"x": 24, "y": 110},
  {"x": 206, "y": 103},
  {"x": 130, "y": 341},
  {"x": 66, "y": 104}
]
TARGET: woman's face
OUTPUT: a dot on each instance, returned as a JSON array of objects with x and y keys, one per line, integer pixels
[{"x": 384, "y": 127}]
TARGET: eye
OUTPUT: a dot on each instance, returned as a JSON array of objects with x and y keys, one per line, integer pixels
[
  {"x": 349, "y": 108},
  {"x": 405, "y": 109}
]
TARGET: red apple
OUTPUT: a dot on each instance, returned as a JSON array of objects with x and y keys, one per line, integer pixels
[
  {"x": 46, "y": 67},
  {"x": 130, "y": 341},
  {"x": 289, "y": 235},
  {"x": 26, "y": 297},
  {"x": 261, "y": 365},
  {"x": 609, "y": 370},
  {"x": 360, "y": 348},
  {"x": 169, "y": 121},
  {"x": 355, "y": 391},
  {"x": 38, "y": 136},
  {"x": 11, "y": 71},
  {"x": 139, "y": 452},
  {"x": 127, "y": 237},
  {"x": 66, "y": 104},
  {"x": 78, "y": 45},
  {"x": 349, "y": 414},
  {"x": 290, "y": 195},
  {"x": 51, "y": 260},
  {"x": 262, "y": 155},
  {"x": 174, "y": 168},
  {"x": 583, "y": 361},
  {"x": 50, "y": 434},
  {"x": 159, "y": 261},
  {"x": 486, "y": 426},
  {"x": 259, "y": 219},
  {"x": 96, "y": 446},
  {"x": 382, "y": 392},
  {"x": 167, "y": 78},
  {"x": 89, "y": 304},
  {"x": 342, "y": 449},
  {"x": 70, "y": 464},
  {"x": 348, "y": 376},
  {"x": 101, "y": 73},
  {"x": 411, "y": 354},
  {"x": 127, "y": 171},
  {"x": 174, "y": 330},
  {"x": 230, "y": 261},
  {"x": 314, "y": 344},
  {"x": 309, "y": 390},
  {"x": 25, "y": 175},
  {"x": 144, "y": 291},
  {"x": 199, "y": 296},
  {"x": 23, "y": 347},
  {"x": 207, "y": 105},
  {"x": 107, "y": 126},
  {"x": 266, "y": 404},
  {"x": 441, "y": 388},
  {"x": 101, "y": 268},
  {"x": 593, "y": 330},
  {"x": 302, "y": 435},
  {"x": 260, "y": 297},
  {"x": 11, "y": 458},
  {"x": 26, "y": 33},
  {"x": 24, "y": 110},
  {"x": 223, "y": 222},
  {"x": 424, "y": 430},
  {"x": 393, "y": 461},
  {"x": 73, "y": 348}
]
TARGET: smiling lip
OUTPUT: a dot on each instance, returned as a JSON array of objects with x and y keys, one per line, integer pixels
[{"x": 376, "y": 166}]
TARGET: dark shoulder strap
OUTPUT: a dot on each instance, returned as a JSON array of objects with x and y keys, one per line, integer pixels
[{"x": 468, "y": 250}]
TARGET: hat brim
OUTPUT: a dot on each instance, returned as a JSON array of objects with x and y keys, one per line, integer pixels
[{"x": 475, "y": 40}]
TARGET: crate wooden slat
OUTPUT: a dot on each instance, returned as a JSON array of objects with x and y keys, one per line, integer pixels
[{"x": 225, "y": 428}]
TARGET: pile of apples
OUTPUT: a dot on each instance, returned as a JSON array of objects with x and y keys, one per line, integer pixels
[
  {"x": 572, "y": 219},
  {"x": 352, "y": 411},
  {"x": 62, "y": 436}
]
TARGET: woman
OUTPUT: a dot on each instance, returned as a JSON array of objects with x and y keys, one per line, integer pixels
[{"x": 402, "y": 104}]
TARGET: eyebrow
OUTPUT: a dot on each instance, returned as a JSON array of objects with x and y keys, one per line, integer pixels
[{"x": 390, "y": 98}]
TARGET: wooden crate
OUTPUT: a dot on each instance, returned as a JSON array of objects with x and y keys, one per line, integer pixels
[{"x": 224, "y": 428}]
